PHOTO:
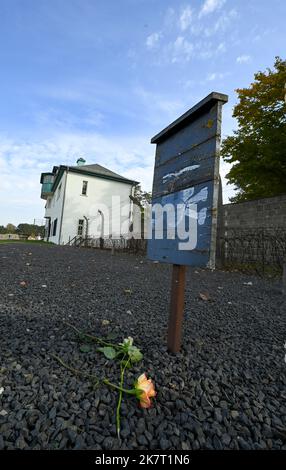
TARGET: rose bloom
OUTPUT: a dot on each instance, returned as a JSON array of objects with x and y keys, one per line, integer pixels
[{"x": 146, "y": 390}]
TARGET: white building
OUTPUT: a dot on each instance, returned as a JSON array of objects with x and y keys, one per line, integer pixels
[{"x": 86, "y": 201}]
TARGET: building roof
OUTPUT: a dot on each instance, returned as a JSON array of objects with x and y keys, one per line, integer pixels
[
  {"x": 99, "y": 170},
  {"x": 89, "y": 170}
]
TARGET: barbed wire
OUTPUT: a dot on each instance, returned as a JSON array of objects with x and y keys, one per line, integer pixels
[{"x": 256, "y": 249}]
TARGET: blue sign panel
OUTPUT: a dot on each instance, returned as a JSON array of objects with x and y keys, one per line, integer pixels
[{"x": 186, "y": 186}]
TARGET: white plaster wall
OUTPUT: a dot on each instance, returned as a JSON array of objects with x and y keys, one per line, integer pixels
[
  {"x": 55, "y": 209},
  {"x": 99, "y": 196}
]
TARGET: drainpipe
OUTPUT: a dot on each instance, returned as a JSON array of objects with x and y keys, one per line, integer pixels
[
  {"x": 101, "y": 241},
  {"x": 86, "y": 228},
  {"x": 131, "y": 215}
]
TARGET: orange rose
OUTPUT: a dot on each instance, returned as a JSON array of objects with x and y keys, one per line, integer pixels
[{"x": 145, "y": 390}]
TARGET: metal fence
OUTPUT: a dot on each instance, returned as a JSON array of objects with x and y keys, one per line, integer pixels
[
  {"x": 130, "y": 245},
  {"x": 261, "y": 250}
]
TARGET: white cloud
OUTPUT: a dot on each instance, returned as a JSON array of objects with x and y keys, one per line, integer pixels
[
  {"x": 152, "y": 40},
  {"x": 156, "y": 105},
  {"x": 206, "y": 50},
  {"x": 210, "y": 6},
  {"x": 215, "y": 76},
  {"x": 182, "y": 50},
  {"x": 22, "y": 162},
  {"x": 222, "y": 24},
  {"x": 185, "y": 19},
  {"x": 243, "y": 59},
  {"x": 170, "y": 18},
  {"x": 221, "y": 48}
]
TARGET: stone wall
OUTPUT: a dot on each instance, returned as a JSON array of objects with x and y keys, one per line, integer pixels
[
  {"x": 254, "y": 232},
  {"x": 260, "y": 213}
]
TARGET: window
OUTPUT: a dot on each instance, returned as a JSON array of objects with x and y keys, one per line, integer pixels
[
  {"x": 48, "y": 227},
  {"x": 55, "y": 227},
  {"x": 84, "y": 188},
  {"x": 80, "y": 227},
  {"x": 59, "y": 191}
]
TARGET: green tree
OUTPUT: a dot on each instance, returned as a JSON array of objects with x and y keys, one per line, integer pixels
[
  {"x": 10, "y": 228},
  {"x": 30, "y": 230},
  {"x": 257, "y": 149},
  {"x": 141, "y": 198}
]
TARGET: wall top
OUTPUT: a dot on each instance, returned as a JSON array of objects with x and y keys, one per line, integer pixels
[{"x": 192, "y": 114}]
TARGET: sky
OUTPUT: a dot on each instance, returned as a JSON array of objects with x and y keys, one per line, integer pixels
[{"x": 98, "y": 78}]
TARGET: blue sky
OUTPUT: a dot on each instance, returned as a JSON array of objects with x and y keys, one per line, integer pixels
[{"x": 98, "y": 79}]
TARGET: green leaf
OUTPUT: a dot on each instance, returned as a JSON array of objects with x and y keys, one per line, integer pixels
[
  {"x": 108, "y": 351},
  {"x": 126, "y": 364},
  {"x": 112, "y": 335},
  {"x": 85, "y": 348},
  {"x": 84, "y": 339},
  {"x": 134, "y": 354},
  {"x": 256, "y": 149}
]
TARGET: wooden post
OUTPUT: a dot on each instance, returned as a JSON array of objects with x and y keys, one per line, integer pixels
[{"x": 176, "y": 308}]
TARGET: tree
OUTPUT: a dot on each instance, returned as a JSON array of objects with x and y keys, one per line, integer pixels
[
  {"x": 31, "y": 230},
  {"x": 257, "y": 148},
  {"x": 141, "y": 198},
  {"x": 10, "y": 228}
]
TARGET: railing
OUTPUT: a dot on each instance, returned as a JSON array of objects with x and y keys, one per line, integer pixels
[
  {"x": 130, "y": 245},
  {"x": 76, "y": 241}
]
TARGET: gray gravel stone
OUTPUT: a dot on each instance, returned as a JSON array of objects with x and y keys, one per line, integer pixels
[
  {"x": 142, "y": 440},
  {"x": 226, "y": 382},
  {"x": 164, "y": 444},
  {"x": 217, "y": 443}
]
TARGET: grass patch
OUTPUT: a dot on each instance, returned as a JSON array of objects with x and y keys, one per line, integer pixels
[{"x": 29, "y": 242}]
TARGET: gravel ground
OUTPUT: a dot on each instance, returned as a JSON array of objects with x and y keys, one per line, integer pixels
[{"x": 225, "y": 390}]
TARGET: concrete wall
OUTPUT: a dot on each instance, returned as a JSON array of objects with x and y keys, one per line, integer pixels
[
  {"x": 260, "y": 213},
  {"x": 9, "y": 236},
  {"x": 254, "y": 232}
]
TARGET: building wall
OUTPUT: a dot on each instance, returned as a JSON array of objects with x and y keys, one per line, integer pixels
[
  {"x": 54, "y": 209},
  {"x": 99, "y": 197}
]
